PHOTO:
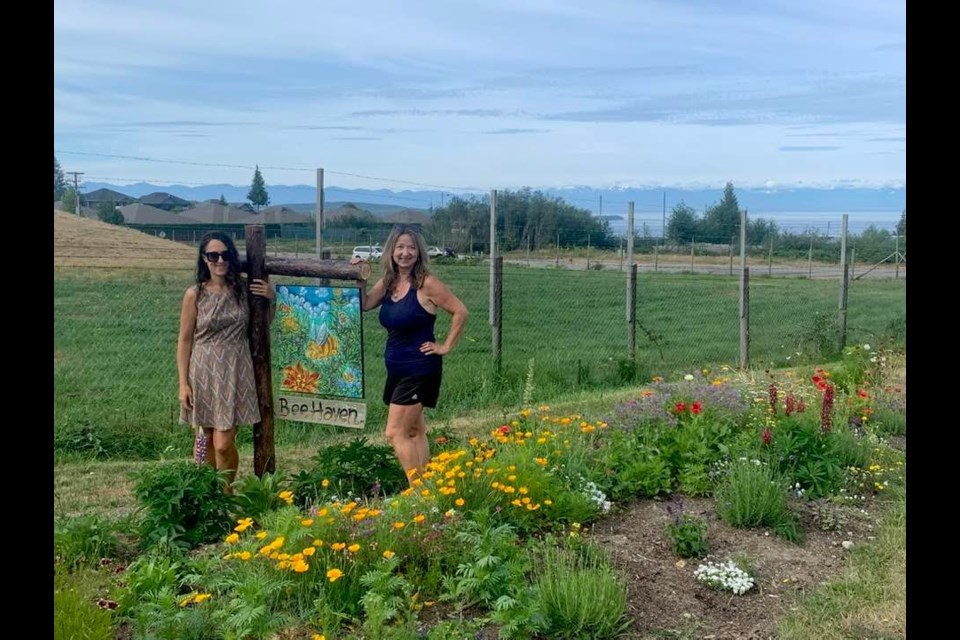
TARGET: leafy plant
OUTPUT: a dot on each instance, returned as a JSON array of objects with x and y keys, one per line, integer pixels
[
  {"x": 575, "y": 596},
  {"x": 354, "y": 469},
  {"x": 256, "y": 495},
  {"x": 687, "y": 534},
  {"x": 755, "y": 495},
  {"x": 183, "y": 503},
  {"x": 83, "y": 540}
]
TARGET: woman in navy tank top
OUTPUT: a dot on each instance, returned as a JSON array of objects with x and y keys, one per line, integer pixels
[{"x": 409, "y": 296}]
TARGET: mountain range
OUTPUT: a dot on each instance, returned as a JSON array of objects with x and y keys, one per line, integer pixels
[{"x": 610, "y": 202}]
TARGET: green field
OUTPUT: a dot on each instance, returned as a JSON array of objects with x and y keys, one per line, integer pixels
[{"x": 115, "y": 381}]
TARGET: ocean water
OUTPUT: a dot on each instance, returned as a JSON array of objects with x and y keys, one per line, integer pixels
[{"x": 826, "y": 223}]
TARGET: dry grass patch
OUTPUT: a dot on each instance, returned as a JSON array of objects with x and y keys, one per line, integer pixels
[{"x": 81, "y": 242}]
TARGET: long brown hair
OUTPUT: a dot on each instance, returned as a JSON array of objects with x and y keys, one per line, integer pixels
[{"x": 420, "y": 268}]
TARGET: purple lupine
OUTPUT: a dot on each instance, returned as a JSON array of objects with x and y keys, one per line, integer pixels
[
  {"x": 789, "y": 404},
  {"x": 200, "y": 447}
]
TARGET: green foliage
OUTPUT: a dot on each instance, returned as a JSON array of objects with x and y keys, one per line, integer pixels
[
  {"x": 755, "y": 495},
  {"x": 83, "y": 540},
  {"x": 387, "y": 601},
  {"x": 352, "y": 469},
  {"x": 254, "y": 496},
  {"x": 222, "y": 200},
  {"x": 108, "y": 212},
  {"x": 492, "y": 566},
  {"x": 631, "y": 469},
  {"x": 184, "y": 504},
  {"x": 69, "y": 199},
  {"x": 258, "y": 195},
  {"x": 819, "y": 336},
  {"x": 577, "y": 597},
  {"x": 688, "y": 536},
  {"x": 59, "y": 184},
  {"x": 722, "y": 220},
  {"x": 682, "y": 224},
  {"x": 76, "y": 615},
  {"x": 118, "y": 441}
]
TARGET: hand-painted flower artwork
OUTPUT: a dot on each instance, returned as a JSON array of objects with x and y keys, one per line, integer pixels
[{"x": 318, "y": 340}]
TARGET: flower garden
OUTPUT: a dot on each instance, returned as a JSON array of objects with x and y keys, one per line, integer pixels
[{"x": 495, "y": 537}]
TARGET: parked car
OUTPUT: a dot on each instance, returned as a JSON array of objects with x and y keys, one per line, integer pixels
[
  {"x": 368, "y": 252},
  {"x": 440, "y": 252}
]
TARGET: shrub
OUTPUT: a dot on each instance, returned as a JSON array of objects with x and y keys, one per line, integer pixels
[
  {"x": 755, "y": 495},
  {"x": 184, "y": 503},
  {"x": 354, "y": 469},
  {"x": 575, "y": 596},
  {"x": 687, "y": 534}
]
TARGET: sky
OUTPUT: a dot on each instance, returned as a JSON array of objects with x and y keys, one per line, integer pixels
[{"x": 483, "y": 94}]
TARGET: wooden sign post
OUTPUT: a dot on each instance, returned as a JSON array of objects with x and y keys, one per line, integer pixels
[{"x": 259, "y": 265}]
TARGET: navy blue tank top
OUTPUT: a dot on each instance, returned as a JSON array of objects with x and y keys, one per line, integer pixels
[{"x": 408, "y": 326}]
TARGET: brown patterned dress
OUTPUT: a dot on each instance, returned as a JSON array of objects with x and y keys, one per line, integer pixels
[{"x": 221, "y": 369}]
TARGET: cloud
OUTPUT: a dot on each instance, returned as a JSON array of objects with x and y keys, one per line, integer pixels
[
  {"x": 513, "y": 131},
  {"x": 810, "y": 148}
]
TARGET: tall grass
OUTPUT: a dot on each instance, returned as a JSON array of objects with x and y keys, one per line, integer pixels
[{"x": 115, "y": 393}]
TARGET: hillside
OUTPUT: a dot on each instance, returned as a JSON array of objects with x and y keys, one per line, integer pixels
[{"x": 81, "y": 242}]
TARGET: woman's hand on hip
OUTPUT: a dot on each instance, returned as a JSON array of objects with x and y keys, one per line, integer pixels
[{"x": 434, "y": 349}]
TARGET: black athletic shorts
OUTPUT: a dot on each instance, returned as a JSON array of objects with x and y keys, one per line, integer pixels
[{"x": 408, "y": 390}]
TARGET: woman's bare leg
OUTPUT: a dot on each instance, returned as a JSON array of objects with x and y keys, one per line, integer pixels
[
  {"x": 406, "y": 431},
  {"x": 225, "y": 449}
]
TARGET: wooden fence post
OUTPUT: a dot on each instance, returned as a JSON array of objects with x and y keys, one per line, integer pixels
[{"x": 264, "y": 455}]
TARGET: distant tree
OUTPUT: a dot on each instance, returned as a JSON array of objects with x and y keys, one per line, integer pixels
[
  {"x": 682, "y": 225},
  {"x": 722, "y": 220},
  {"x": 59, "y": 184},
  {"x": 258, "y": 196},
  {"x": 108, "y": 212},
  {"x": 223, "y": 200},
  {"x": 69, "y": 200},
  {"x": 902, "y": 224}
]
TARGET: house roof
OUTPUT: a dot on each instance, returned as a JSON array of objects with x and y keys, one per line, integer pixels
[
  {"x": 213, "y": 213},
  {"x": 280, "y": 214},
  {"x": 161, "y": 197},
  {"x": 408, "y": 215},
  {"x": 145, "y": 214},
  {"x": 106, "y": 195}
]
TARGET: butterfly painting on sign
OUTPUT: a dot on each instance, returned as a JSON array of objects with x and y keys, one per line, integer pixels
[{"x": 318, "y": 341}]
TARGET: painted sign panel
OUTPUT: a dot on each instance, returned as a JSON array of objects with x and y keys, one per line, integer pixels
[
  {"x": 321, "y": 410},
  {"x": 318, "y": 347}
]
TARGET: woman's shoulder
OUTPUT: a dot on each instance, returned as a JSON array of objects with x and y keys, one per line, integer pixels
[
  {"x": 191, "y": 292},
  {"x": 431, "y": 282}
]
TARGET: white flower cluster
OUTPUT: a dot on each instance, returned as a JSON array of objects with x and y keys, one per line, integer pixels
[
  {"x": 593, "y": 492},
  {"x": 727, "y": 576}
]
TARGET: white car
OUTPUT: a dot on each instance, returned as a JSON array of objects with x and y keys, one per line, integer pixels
[
  {"x": 368, "y": 252},
  {"x": 435, "y": 252}
]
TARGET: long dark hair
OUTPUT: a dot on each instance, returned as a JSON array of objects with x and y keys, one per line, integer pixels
[
  {"x": 233, "y": 261},
  {"x": 420, "y": 267}
]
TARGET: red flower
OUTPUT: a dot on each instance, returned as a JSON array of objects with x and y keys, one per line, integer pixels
[
  {"x": 696, "y": 408},
  {"x": 766, "y": 436},
  {"x": 861, "y": 393},
  {"x": 503, "y": 430},
  {"x": 680, "y": 407}
]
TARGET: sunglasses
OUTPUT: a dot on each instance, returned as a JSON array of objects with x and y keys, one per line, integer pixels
[{"x": 215, "y": 256}]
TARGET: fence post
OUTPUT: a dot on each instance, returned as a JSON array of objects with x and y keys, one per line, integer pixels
[
  {"x": 745, "y": 319},
  {"x": 770, "y": 258},
  {"x": 844, "y": 280},
  {"x": 264, "y": 455},
  {"x": 494, "y": 281},
  {"x": 632, "y": 313},
  {"x": 693, "y": 243},
  {"x": 497, "y": 309},
  {"x": 744, "y": 296}
]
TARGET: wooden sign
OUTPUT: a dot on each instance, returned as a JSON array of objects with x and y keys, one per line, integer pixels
[{"x": 338, "y": 413}]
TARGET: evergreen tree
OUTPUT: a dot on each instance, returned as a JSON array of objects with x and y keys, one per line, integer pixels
[
  {"x": 682, "y": 223},
  {"x": 59, "y": 184},
  {"x": 258, "y": 196},
  {"x": 722, "y": 221},
  {"x": 902, "y": 224},
  {"x": 223, "y": 200}
]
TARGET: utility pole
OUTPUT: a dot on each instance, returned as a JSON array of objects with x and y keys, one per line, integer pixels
[{"x": 76, "y": 189}]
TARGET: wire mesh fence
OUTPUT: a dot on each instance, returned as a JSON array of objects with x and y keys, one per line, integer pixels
[{"x": 564, "y": 329}]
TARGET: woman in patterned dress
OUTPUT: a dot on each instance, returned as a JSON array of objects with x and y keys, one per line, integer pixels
[{"x": 217, "y": 386}]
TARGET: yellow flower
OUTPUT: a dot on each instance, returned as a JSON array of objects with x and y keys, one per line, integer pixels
[
  {"x": 286, "y": 496},
  {"x": 325, "y": 483},
  {"x": 353, "y": 548},
  {"x": 334, "y": 574},
  {"x": 243, "y": 524},
  {"x": 301, "y": 566},
  {"x": 322, "y": 513},
  {"x": 399, "y": 525},
  {"x": 388, "y": 554},
  {"x": 419, "y": 518},
  {"x": 459, "y": 502},
  {"x": 261, "y": 535},
  {"x": 337, "y": 546},
  {"x": 306, "y": 522},
  {"x": 548, "y": 502},
  {"x": 309, "y": 551},
  {"x": 200, "y": 597},
  {"x": 232, "y": 539},
  {"x": 540, "y": 461},
  {"x": 318, "y": 636},
  {"x": 244, "y": 555},
  {"x": 317, "y": 542}
]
